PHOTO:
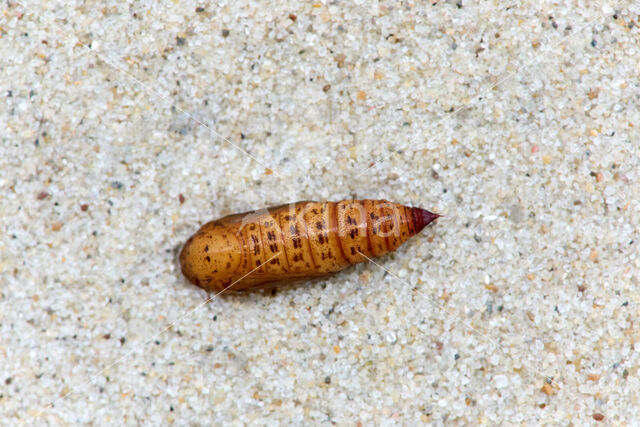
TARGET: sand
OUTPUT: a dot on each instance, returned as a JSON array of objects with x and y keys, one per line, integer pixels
[{"x": 124, "y": 127}]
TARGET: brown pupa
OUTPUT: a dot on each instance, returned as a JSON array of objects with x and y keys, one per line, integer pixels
[{"x": 296, "y": 241}]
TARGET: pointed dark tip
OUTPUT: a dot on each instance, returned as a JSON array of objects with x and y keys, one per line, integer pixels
[{"x": 422, "y": 218}]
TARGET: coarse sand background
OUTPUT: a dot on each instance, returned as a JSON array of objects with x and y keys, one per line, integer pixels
[{"x": 126, "y": 125}]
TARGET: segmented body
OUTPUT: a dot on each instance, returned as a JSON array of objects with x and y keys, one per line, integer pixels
[{"x": 296, "y": 241}]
